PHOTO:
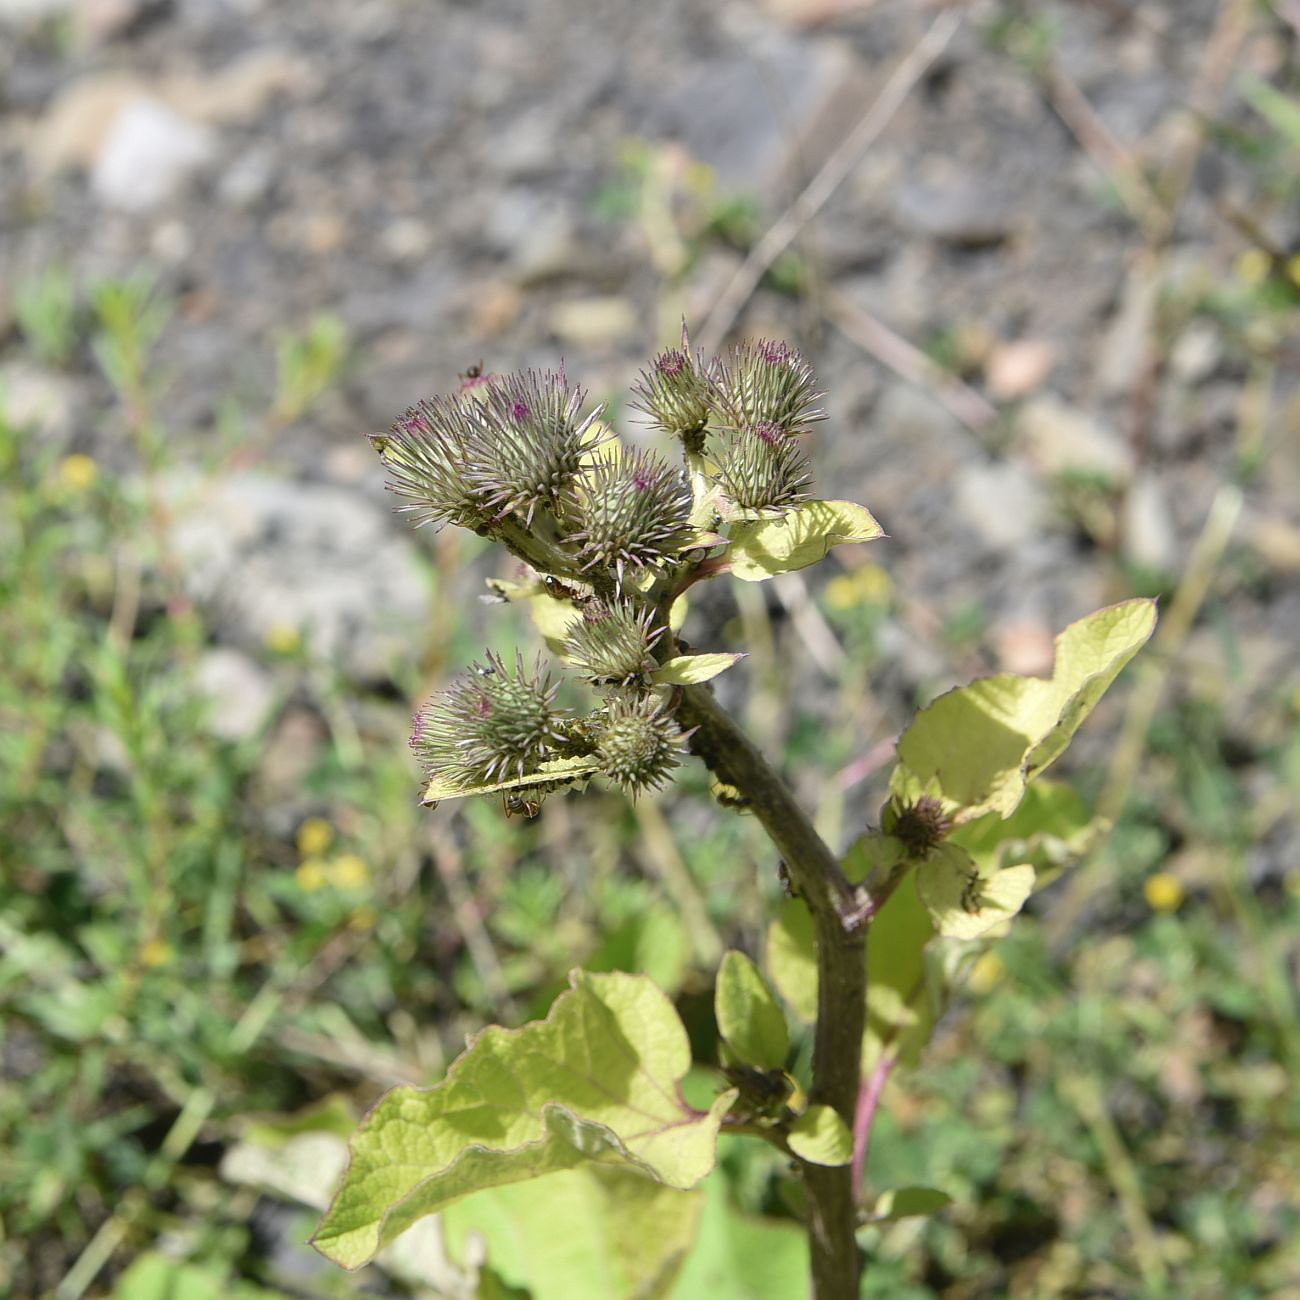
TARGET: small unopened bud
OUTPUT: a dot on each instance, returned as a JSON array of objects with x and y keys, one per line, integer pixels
[
  {"x": 612, "y": 644},
  {"x": 921, "y": 825},
  {"x": 674, "y": 392},
  {"x": 639, "y": 744},
  {"x": 765, "y": 383},
  {"x": 489, "y": 725},
  {"x": 425, "y": 454},
  {"x": 529, "y": 443},
  {"x": 634, "y": 513},
  {"x": 764, "y": 468}
]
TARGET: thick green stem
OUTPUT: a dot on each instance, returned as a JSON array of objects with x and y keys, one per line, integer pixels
[{"x": 814, "y": 874}]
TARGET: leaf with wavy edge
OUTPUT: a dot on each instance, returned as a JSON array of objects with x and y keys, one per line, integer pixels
[
  {"x": 688, "y": 670},
  {"x": 801, "y": 537},
  {"x": 597, "y": 1080},
  {"x": 977, "y": 746}
]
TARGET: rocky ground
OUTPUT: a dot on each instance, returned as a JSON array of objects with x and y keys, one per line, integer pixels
[
  {"x": 1078, "y": 219},
  {"x": 451, "y": 182}
]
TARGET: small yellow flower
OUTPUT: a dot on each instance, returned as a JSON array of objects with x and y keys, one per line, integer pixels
[
  {"x": 699, "y": 179},
  {"x": 364, "y": 918},
  {"x": 315, "y": 835},
  {"x": 1293, "y": 269},
  {"x": 310, "y": 875},
  {"x": 283, "y": 638},
  {"x": 1163, "y": 892},
  {"x": 77, "y": 473},
  {"x": 866, "y": 585},
  {"x": 348, "y": 871},
  {"x": 154, "y": 953},
  {"x": 1253, "y": 266},
  {"x": 988, "y": 972}
]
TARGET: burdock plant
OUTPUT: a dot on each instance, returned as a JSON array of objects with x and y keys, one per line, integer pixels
[{"x": 610, "y": 539}]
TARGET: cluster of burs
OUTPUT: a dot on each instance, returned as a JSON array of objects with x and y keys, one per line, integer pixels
[{"x": 614, "y": 532}]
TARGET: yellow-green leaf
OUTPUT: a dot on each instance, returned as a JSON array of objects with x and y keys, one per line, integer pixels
[
  {"x": 821, "y": 1137},
  {"x": 596, "y": 1081},
  {"x": 962, "y": 903},
  {"x": 799, "y": 538},
  {"x": 749, "y": 1018},
  {"x": 740, "y": 1256},
  {"x": 688, "y": 670},
  {"x": 978, "y": 745},
  {"x": 792, "y": 959}
]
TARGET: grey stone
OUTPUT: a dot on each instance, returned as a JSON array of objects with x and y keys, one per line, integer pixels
[
  {"x": 1002, "y": 503},
  {"x": 1125, "y": 347},
  {"x": 961, "y": 210},
  {"x": 249, "y": 178},
  {"x": 1061, "y": 439},
  {"x": 239, "y": 693},
  {"x": 33, "y": 397},
  {"x": 148, "y": 154},
  {"x": 265, "y": 555},
  {"x": 1197, "y": 352},
  {"x": 1147, "y": 526}
]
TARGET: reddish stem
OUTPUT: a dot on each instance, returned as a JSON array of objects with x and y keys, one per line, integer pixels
[{"x": 869, "y": 1090}]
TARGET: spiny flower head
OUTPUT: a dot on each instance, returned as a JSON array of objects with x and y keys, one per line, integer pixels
[
  {"x": 639, "y": 744},
  {"x": 765, "y": 382},
  {"x": 489, "y": 725},
  {"x": 674, "y": 392},
  {"x": 920, "y": 824},
  {"x": 634, "y": 512},
  {"x": 763, "y": 468},
  {"x": 612, "y": 644},
  {"x": 529, "y": 442},
  {"x": 425, "y": 453}
]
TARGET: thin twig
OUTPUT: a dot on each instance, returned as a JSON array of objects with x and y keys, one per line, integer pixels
[
  {"x": 665, "y": 860},
  {"x": 832, "y": 175},
  {"x": 483, "y": 953},
  {"x": 1106, "y": 152},
  {"x": 1084, "y": 1093},
  {"x": 908, "y": 361}
]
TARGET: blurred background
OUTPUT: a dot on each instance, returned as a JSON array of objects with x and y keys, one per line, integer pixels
[{"x": 1046, "y": 260}]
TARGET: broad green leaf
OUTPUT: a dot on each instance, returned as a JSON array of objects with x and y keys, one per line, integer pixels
[
  {"x": 596, "y": 1081},
  {"x": 740, "y": 1257},
  {"x": 628, "y": 1237},
  {"x": 749, "y": 1018},
  {"x": 978, "y": 745},
  {"x": 801, "y": 537},
  {"x": 908, "y": 1203},
  {"x": 792, "y": 959},
  {"x": 557, "y": 771},
  {"x": 1051, "y": 829},
  {"x": 821, "y": 1137},
  {"x": 962, "y": 903},
  {"x": 688, "y": 670}
]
